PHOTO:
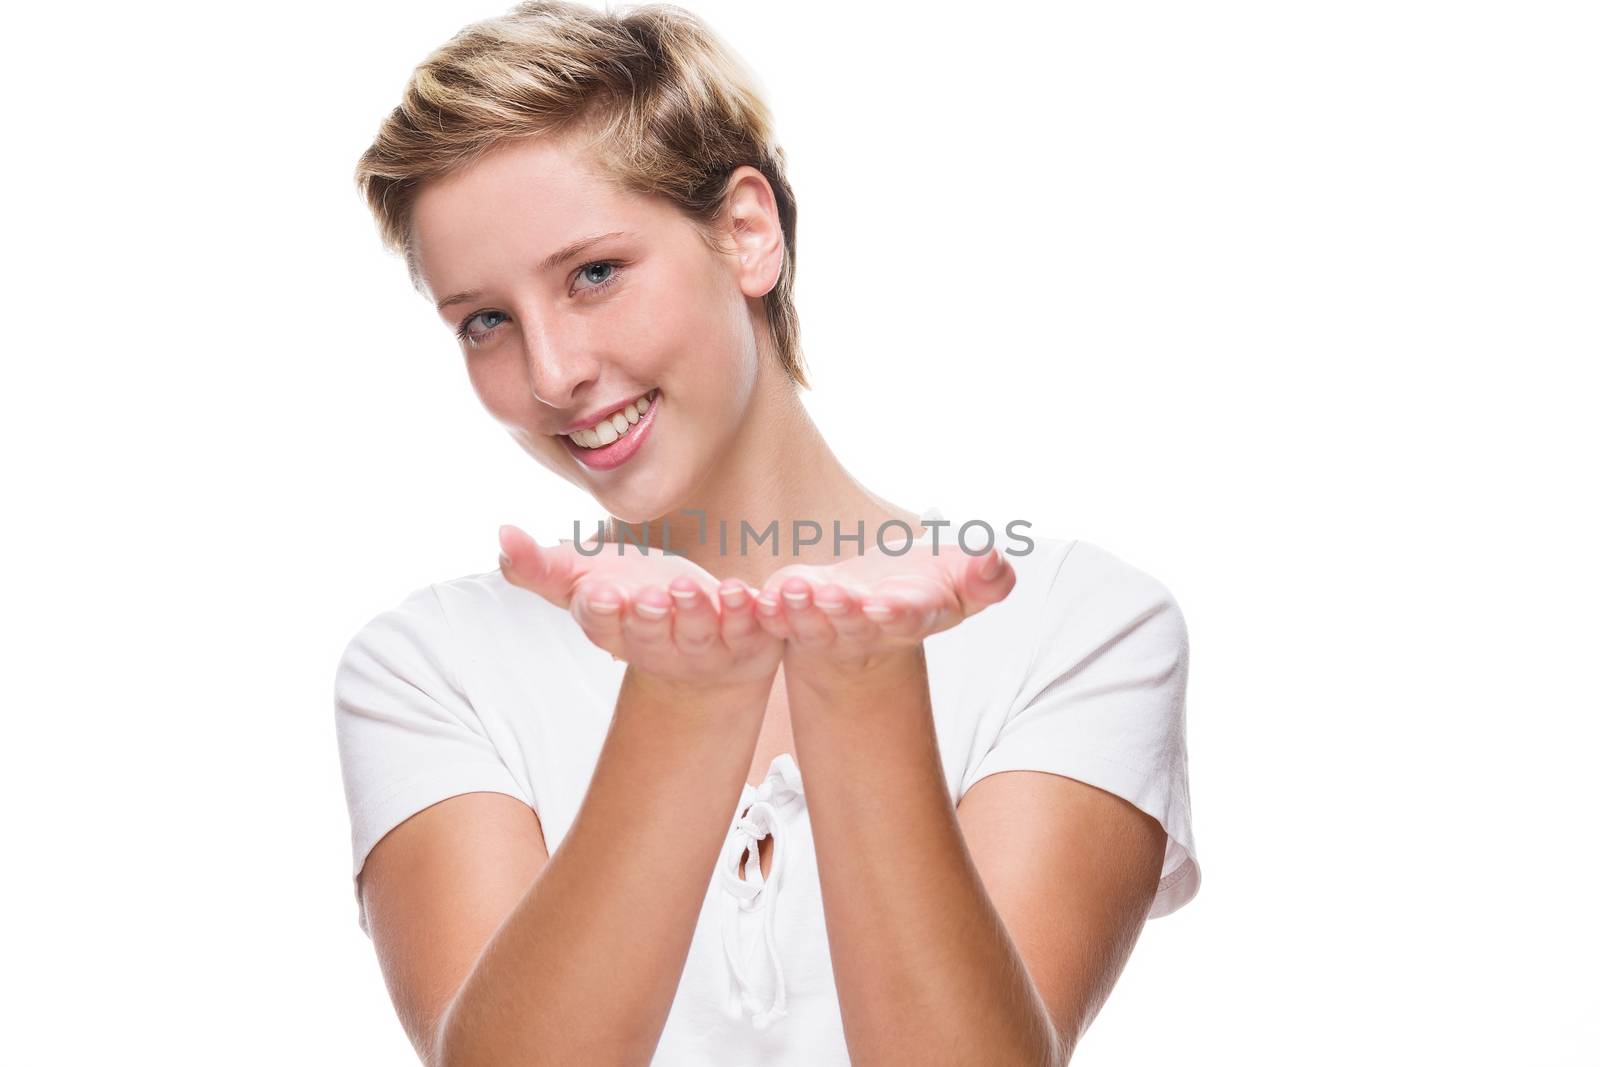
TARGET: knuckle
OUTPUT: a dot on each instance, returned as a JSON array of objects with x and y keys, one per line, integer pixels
[
  {"x": 697, "y": 643},
  {"x": 646, "y": 633}
]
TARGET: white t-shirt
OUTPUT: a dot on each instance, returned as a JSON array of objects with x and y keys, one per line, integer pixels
[{"x": 475, "y": 684}]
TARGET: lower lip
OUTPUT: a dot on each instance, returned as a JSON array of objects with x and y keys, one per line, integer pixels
[{"x": 619, "y": 451}]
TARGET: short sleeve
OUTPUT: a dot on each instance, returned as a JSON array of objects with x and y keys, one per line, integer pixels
[
  {"x": 1103, "y": 702},
  {"x": 408, "y": 736}
]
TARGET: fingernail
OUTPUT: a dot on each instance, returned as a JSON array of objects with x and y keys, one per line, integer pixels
[
  {"x": 765, "y": 606},
  {"x": 651, "y": 611},
  {"x": 682, "y": 595},
  {"x": 796, "y": 599},
  {"x": 877, "y": 611},
  {"x": 603, "y": 607},
  {"x": 733, "y": 596},
  {"x": 991, "y": 567},
  {"x": 505, "y": 561},
  {"x": 832, "y": 607}
]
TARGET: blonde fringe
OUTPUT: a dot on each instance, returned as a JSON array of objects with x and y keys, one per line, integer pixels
[{"x": 662, "y": 105}]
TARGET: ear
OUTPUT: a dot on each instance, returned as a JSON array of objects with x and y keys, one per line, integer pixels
[{"x": 751, "y": 213}]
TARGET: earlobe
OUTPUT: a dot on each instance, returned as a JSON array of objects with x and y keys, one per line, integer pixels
[
  {"x": 754, "y": 288},
  {"x": 756, "y": 229},
  {"x": 760, "y": 287}
]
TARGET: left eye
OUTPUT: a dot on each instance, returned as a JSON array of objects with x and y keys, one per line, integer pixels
[{"x": 609, "y": 274}]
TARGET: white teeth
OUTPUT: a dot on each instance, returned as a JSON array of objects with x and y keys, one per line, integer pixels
[{"x": 606, "y": 431}]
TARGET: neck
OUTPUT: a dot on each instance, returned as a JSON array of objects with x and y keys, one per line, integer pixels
[{"x": 777, "y": 470}]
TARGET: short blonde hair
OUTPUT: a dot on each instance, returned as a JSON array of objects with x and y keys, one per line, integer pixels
[{"x": 671, "y": 111}]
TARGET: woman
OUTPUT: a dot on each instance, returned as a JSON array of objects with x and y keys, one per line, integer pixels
[{"x": 581, "y": 832}]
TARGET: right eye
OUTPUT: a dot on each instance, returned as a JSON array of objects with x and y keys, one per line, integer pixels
[{"x": 475, "y": 336}]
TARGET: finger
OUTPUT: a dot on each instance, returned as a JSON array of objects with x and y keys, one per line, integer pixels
[
  {"x": 842, "y": 605},
  {"x": 519, "y": 556},
  {"x": 898, "y": 614},
  {"x": 694, "y": 617},
  {"x": 769, "y": 613},
  {"x": 740, "y": 630},
  {"x": 807, "y": 625},
  {"x": 986, "y": 579},
  {"x": 649, "y": 622},
  {"x": 550, "y": 572},
  {"x": 598, "y": 608}
]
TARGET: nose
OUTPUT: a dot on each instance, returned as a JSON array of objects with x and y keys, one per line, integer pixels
[{"x": 558, "y": 368}]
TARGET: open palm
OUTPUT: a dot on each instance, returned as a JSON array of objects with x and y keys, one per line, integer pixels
[
  {"x": 663, "y": 614},
  {"x": 856, "y": 610}
]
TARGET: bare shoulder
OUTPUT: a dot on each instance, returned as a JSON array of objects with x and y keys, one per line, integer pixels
[{"x": 436, "y": 888}]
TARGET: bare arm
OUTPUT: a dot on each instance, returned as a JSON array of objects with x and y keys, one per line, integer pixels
[
  {"x": 435, "y": 888},
  {"x": 496, "y": 954},
  {"x": 997, "y": 926},
  {"x": 1000, "y": 925},
  {"x": 585, "y": 967},
  {"x": 914, "y": 934}
]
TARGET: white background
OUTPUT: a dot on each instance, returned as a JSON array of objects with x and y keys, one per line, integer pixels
[{"x": 1292, "y": 306}]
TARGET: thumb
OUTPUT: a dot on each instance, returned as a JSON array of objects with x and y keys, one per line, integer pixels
[
  {"x": 526, "y": 563},
  {"x": 988, "y": 578},
  {"x": 516, "y": 547}
]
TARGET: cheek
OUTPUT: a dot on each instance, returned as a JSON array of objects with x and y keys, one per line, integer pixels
[
  {"x": 501, "y": 389},
  {"x": 712, "y": 354},
  {"x": 658, "y": 337},
  {"x": 691, "y": 329}
]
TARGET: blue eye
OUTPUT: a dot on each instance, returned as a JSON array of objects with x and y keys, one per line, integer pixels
[
  {"x": 474, "y": 337},
  {"x": 612, "y": 270},
  {"x": 602, "y": 283}
]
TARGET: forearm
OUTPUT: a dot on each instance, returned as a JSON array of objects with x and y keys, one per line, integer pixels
[
  {"x": 925, "y": 969},
  {"x": 585, "y": 968}
]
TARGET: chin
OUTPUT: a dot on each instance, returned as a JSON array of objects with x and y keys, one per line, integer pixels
[
  {"x": 633, "y": 509},
  {"x": 639, "y": 491}
]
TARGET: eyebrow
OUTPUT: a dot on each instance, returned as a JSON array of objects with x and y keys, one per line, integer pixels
[{"x": 554, "y": 259}]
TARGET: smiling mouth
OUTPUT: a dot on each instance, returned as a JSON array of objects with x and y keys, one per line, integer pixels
[{"x": 608, "y": 430}]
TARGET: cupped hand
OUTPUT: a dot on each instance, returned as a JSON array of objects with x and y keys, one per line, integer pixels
[
  {"x": 864, "y": 609},
  {"x": 665, "y": 615}
]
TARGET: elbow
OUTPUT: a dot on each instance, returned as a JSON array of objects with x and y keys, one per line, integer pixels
[
  {"x": 455, "y": 1045},
  {"x": 468, "y": 1035},
  {"x": 450, "y": 1051},
  {"x": 454, "y": 1048},
  {"x": 1053, "y": 1043},
  {"x": 1062, "y": 1045},
  {"x": 439, "y": 1052},
  {"x": 449, "y": 1047}
]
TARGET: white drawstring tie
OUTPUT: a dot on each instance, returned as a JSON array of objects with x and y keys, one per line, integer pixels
[{"x": 755, "y": 891}]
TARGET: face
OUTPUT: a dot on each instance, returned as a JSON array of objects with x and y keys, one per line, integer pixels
[{"x": 556, "y": 335}]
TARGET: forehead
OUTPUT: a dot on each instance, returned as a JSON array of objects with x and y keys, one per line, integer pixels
[{"x": 513, "y": 206}]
